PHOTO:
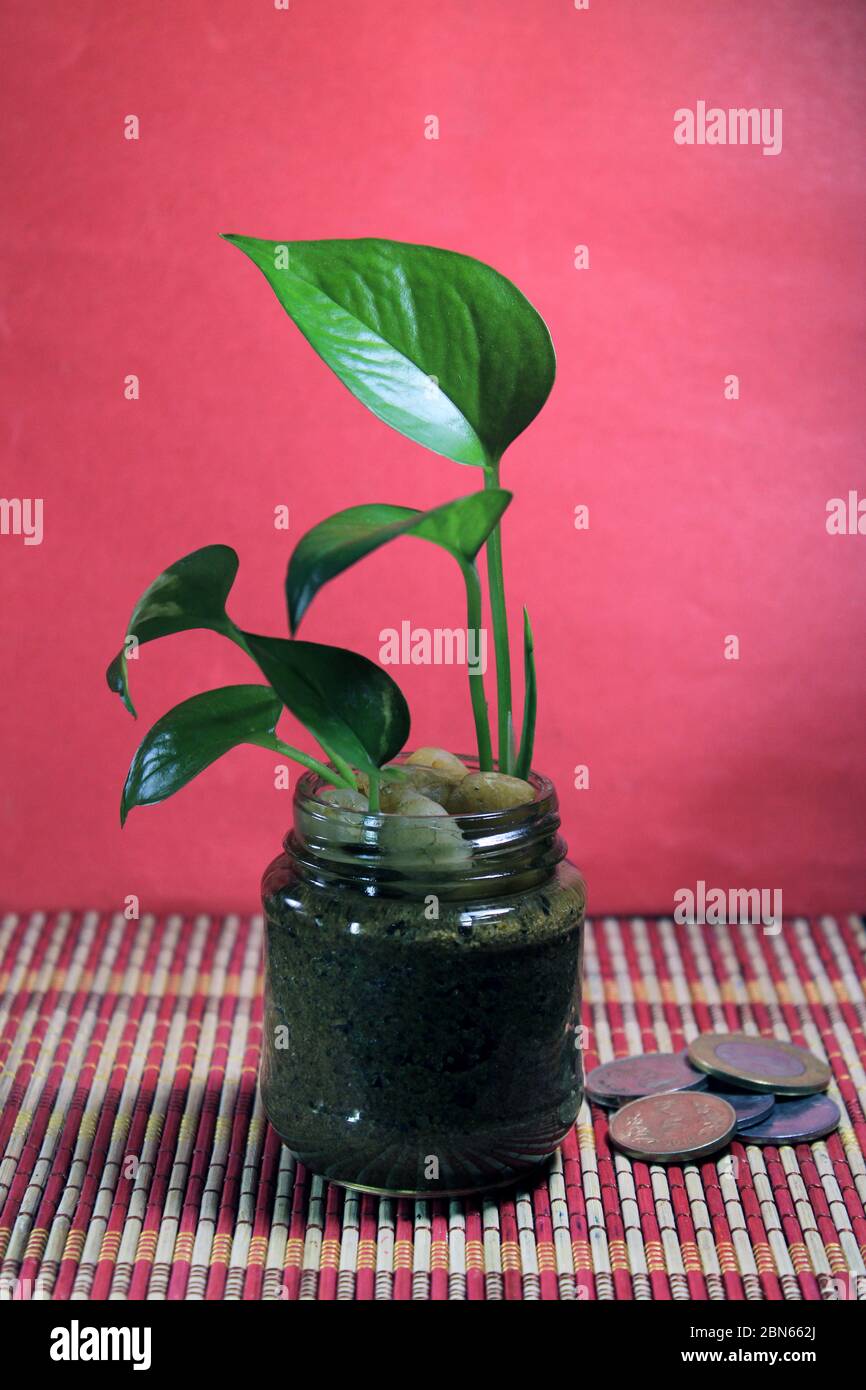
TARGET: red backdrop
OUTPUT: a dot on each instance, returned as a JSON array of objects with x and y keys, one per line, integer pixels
[{"x": 707, "y": 515}]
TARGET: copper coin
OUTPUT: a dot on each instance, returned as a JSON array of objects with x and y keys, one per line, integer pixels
[
  {"x": 760, "y": 1064},
  {"x": 628, "y": 1078},
  {"x": 676, "y": 1127},
  {"x": 796, "y": 1121}
]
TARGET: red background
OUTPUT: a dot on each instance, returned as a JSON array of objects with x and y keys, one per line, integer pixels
[{"x": 707, "y": 516}]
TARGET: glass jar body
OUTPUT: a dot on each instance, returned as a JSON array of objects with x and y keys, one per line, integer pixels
[{"x": 421, "y": 1043}]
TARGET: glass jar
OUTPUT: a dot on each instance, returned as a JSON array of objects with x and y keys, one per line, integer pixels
[{"x": 422, "y": 995}]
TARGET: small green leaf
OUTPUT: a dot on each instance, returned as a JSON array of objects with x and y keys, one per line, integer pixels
[
  {"x": 460, "y": 527},
  {"x": 438, "y": 345},
  {"x": 353, "y": 707},
  {"x": 193, "y": 735},
  {"x": 530, "y": 702},
  {"x": 349, "y": 704},
  {"x": 189, "y": 594}
]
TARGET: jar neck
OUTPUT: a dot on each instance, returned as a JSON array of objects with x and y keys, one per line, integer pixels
[{"x": 483, "y": 855}]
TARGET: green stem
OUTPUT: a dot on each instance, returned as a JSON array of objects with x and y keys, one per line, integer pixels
[
  {"x": 373, "y": 781},
  {"x": 342, "y": 767},
  {"x": 328, "y": 774},
  {"x": 500, "y": 629},
  {"x": 530, "y": 701},
  {"x": 476, "y": 677}
]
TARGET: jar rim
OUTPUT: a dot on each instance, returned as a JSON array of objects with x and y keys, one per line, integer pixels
[{"x": 484, "y": 851}]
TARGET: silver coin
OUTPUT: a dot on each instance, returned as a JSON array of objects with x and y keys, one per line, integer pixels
[
  {"x": 797, "y": 1121},
  {"x": 751, "y": 1062},
  {"x": 750, "y": 1107}
]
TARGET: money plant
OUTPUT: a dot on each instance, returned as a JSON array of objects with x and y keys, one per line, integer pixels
[{"x": 446, "y": 351}]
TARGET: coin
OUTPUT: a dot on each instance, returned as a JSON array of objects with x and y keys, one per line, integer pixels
[
  {"x": 796, "y": 1121},
  {"x": 615, "y": 1083},
  {"x": 674, "y": 1127},
  {"x": 750, "y": 1107},
  {"x": 759, "y": 1064}
]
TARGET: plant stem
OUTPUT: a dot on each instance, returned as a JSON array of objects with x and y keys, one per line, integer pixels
[
  {"x": 500, "y": 629},
  {"x": 530, "y": 700},
  {"x": 476, "y": 677},
  {"x": 327, "y": 774},
  {"x": 342, "y": 767},
  {"x": 373, "y": 780}
]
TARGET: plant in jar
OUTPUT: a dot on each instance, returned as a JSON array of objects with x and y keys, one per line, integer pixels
[{"x": 448, "y": 352}]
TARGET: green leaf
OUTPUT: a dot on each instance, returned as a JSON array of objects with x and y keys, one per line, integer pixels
[
  {"x": 438, "y": 345},
  {"x": 530, "y": 702},
  {"x": 353, "y": 707},
  {"x": 190, "y": 594},
  {"x": 460, "y": 527},
  {"x": 193, "y": 735}
]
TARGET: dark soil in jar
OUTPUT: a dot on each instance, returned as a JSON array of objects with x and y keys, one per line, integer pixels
[{"x": 418, "y": 1055}]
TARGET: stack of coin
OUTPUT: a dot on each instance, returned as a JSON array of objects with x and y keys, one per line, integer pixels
[
  {"x": 791, "y": 1076},
  {"x": 673, "y": 1107}
]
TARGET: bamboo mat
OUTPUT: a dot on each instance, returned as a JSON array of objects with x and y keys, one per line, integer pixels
[{"x": 137, "y": 1164}]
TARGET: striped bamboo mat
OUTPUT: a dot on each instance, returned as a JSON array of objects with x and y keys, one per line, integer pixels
[{"x": 137, "y": 1163}]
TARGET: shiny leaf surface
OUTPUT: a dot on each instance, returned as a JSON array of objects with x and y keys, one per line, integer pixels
[
  {"x": 189, "y": 594},
  {"x": 193, "y": 735},
  {"x": 353, "y": 707},
  {"x": 460, "y": 527},
  {"x": 441, "y": 347}
]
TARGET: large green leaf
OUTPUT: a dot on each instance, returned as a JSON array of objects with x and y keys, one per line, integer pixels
[
  {"x": 353, "y": 707},
  {"x": 193, "y": 735},
  {"x": 190, "y": 594},
  {"x": 460, "y": 527},
  {"x": 440, "y": 346}
]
